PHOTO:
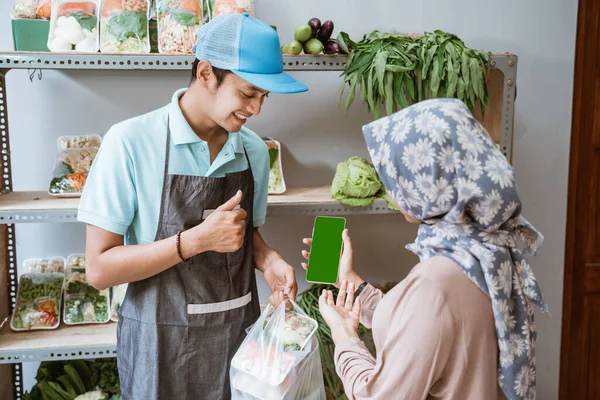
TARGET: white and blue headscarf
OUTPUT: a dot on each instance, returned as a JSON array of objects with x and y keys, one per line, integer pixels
[{"x": 442, "y": 167}]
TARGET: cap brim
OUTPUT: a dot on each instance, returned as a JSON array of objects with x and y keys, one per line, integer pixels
[{"x": 277, "y": 83}]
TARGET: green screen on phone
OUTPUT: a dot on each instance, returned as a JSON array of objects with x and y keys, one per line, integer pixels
[{"x": 325, "y": 250}]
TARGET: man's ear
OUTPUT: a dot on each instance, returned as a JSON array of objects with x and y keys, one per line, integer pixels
[{"x": 204, "y": 73}]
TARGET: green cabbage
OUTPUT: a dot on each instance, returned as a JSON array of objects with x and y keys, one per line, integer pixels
[{"x": 357, "y": 184}]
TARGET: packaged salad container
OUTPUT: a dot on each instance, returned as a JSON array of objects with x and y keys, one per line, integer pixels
[
  {"x": 124, "y": 26},
  {"x": 38, "y": 304},
  {"x": 118, "y": 295},
  {"x": 83, "y": 303},
  {"x": 70, "y": 171},
  {"x": 276, "y": 181},
  {"x": 44, "y": 265},
  {"x": 178, "y": 24},
  {"x": 74, "y": 26},
  {"x": 79, "y": 142},
  {"x": 213, "y": 8}
]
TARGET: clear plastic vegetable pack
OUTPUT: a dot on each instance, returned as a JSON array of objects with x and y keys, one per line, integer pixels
[
  {"x": 212, "y": 8},
  {"x": 74, "y": 26},
  {"x": 70, "y": 171},
  {"x": 83, "y": 303},
  {"x": 124, "y": 26},
  {"x": 25, "y": 9},
  {"x": 279, "y": 359},
  {"x": 116, "y": 300},
  {"x": 178, "y": 24},
  {"x": 38, "y": 302},
  {"x": 276, "y": 181}
]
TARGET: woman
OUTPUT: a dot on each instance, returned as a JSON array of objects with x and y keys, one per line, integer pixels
[
  {"x": 172, "y": 205},
  {"x": 460, "y": 326}
]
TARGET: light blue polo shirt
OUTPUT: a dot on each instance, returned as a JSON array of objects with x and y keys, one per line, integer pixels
[{"x": 123, "y": 191}]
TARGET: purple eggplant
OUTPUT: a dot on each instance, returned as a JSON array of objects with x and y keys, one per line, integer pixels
[
  {"x": 325, "y": 31},
  {"x": 331, "y": 47},
  {"x": 315, "y": 24}
]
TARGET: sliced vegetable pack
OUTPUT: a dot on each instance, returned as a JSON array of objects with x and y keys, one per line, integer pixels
[
  {"x": 74, "y": 26},
  {"x": 38, "y": 304},
  {"x": 83, "y": 303},
  {"x": 178, "y": 24},
  {"x": 72, "y": 164},
  {"x": 276, "y": 180},
  {"x": 124, "y": 26}
]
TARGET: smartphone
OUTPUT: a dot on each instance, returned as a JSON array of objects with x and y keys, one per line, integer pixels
[{"x": 326, "y": 250}]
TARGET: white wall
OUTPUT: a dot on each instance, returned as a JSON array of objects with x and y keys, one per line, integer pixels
[{"x": 317, "y": 134}]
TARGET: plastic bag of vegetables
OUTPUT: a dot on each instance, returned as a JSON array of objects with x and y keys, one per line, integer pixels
[
  {"x": 178, "y": 23},
  {"x": 279, "y": 359},
  {"x": 74, "y": 26},
  {"x": 124, "y": 26}
]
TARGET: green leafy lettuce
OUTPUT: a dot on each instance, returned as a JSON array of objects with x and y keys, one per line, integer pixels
[
  {"x": 87, "y": 22},
  {"x": 128, "y": 25},
  {"x": 357, "y": 184}
]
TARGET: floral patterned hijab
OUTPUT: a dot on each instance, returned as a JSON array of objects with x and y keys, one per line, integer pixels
[{"x": 442, "y": 167}]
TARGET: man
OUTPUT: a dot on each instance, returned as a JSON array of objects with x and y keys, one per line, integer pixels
[{"x": 185, "y": 188}]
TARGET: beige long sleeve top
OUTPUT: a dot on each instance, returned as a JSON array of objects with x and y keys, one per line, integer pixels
[{"x": 435, "y": 339}]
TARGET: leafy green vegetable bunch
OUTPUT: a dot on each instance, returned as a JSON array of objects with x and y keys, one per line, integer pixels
[{"x": 396, "y": 71}]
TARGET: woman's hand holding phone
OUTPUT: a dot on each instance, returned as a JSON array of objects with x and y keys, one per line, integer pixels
[{"x": 346, "y": 269}]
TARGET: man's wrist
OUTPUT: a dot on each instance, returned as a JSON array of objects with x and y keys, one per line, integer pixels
[{"x": 192, "y": 243}]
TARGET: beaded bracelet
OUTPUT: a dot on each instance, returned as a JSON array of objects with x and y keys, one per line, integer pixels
[{"x": 178, "y": 244}]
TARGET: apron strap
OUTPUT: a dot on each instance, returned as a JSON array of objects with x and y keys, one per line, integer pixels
[{"x": 163, "y": 196}]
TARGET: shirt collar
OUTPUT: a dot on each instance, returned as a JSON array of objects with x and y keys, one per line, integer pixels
[{"x": 182, "y": 133}]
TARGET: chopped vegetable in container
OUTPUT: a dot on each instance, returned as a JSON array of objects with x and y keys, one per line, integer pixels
[
  {"x": 44, "y": 265},
  {"x": 38, "y": 301},
  {"x": 83, "y": 303},
  {"x": 70, "y": 171},
  {"x": 124, "y": 26},
  {"x": 74, "y": 26},
  {"x": 25, "y": 9},
  {"x": 79, "y": 142},
  {"x": 118, "y": 295},
  {"x": 178, "y": 24},
  {"x": 276, "y": 181},
  {"x": 221, "y": 7},
  {"x": 44, "y": 9}
]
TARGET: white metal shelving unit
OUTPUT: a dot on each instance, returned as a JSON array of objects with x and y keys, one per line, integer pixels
[{"x": 93, "y": 341}]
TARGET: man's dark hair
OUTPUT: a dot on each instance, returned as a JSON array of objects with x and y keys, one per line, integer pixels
[{"x": 220, "y": 74}]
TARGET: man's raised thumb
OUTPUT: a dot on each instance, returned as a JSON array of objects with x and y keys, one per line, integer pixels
[{"x": 231, "y": 203}]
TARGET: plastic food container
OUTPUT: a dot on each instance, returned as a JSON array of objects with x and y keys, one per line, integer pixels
[
  {"x": 70, "y": 171},
  {"x": 83, "y": 303},
  {"x": 124, "y": 26},
  {"x": 44, "y": 265},
  {"x": 78, "y": 142},
  {"x": 39, "y": 297},
  {"x": 74, "y": 26},
  {"x": 118, "y": 295},
  {"x": 178, "y": 24},
  {"x": 276, "y": 181}
]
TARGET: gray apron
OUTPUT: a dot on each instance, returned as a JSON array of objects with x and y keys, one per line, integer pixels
[{"x": 179, "y": 330}]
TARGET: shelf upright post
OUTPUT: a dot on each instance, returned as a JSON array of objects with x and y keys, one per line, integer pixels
[{"x": 8, "y": 265}]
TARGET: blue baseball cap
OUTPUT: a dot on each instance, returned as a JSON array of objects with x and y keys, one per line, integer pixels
[{"x": 247, "y": 47}]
